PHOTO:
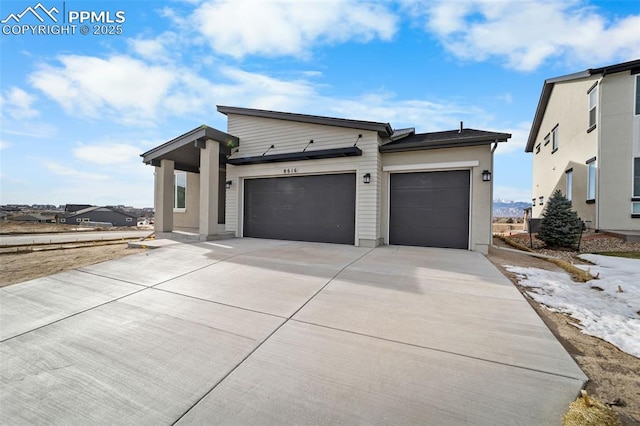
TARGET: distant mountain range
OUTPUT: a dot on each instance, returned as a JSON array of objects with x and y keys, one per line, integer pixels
[{"x": 506, "y": 208}]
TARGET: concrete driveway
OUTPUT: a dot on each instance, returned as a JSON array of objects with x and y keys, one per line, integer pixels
[{"x": 251, "y": 331}]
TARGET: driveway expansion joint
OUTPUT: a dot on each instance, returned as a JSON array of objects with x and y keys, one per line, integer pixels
[
  {"x": 74, "y": 314},
  {"x": 286, "y": 320},
  {"x": 437, "y": 350}
]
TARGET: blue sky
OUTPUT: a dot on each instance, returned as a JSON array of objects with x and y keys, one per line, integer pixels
[{"x": 77, "y": 110}]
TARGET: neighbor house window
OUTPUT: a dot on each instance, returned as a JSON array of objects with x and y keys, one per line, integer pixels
[
  {"x": 635, "y": 205},
  {"x": 547, "y": 139},
  {"x": 591, "y": 179},
  {"x": 541, "y": 200},
  {"x": 569, "y": 175},
  {"x": 593, "y": 106},
  {"x": 554, "y": 139},
  {"x": 129, "y": 219},
  {"x": 636, "y": 177},
  {"x": 638, "y": 95},
  {"x": 180, "y": 191},
  {"x": 538, "y": 149}
]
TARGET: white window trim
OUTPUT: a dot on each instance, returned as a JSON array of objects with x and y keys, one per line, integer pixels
[
  {"x": 569, "y": 184},
  {"x": 431, "y": 166},
  {"x": 635, "y": 198},
  {"x": 635, "y": 92},
  {"x": 594, "y": 89},
  {"x": 554, "y": 139},
  {"x": 175, "y": 192},
  {"x": 595, "y": 179}
]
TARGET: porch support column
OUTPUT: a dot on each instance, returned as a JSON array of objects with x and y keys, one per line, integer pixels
[
  {"x": 164, "y": 197},
  {"x": 209, "y": 165}
]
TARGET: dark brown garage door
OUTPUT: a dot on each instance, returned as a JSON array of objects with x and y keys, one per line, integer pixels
[
  {"x": 301, "y": 208},
  {"x": 430, "y": 209}
]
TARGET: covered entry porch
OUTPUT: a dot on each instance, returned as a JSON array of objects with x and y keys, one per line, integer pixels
[{"x": 189, "y": 183}]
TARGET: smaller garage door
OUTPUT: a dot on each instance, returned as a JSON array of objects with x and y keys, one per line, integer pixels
[
  {"x": 301, "y": 208},
  {"x": 430, "y": 209}
]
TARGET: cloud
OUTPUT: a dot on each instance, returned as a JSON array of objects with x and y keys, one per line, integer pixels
[
  {"x": 35, "y": 130},
  {"x": 525, "y": 35},
  {"x": 107, "y": 153},
  {"x": 161, "y": 48},
  {"x": 286, "y": 27},
  {"x": 153, "y": 92},
  {"x": 63, "y": 170},
  {"x": 92, "y": 86},
  {"x": 17, "y": 104}
]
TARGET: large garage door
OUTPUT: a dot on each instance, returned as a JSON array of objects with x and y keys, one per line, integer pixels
[
  {"x": 430, "y": 209},
  {"x": 301, "y": 208}
]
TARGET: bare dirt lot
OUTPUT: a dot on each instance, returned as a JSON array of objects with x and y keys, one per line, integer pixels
[
  {"x": 614, "y": 376},
  {"x": 24, "y": 266},
  {"x": 9, "y": 227},
  {"x": 20, "y": 267}
]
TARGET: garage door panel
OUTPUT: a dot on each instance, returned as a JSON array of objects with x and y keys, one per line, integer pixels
[
  {"x": 438, "y": 237},
  {"x": 433, "y": 217},
  {"x": 301, "y": 208},
  {"x": 428, "y": 180},
  {"x": 430, "y": 209},
  {"x": 446, "y": 197}
]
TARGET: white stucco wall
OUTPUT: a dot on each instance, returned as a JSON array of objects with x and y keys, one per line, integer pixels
[
  {"x": 619, "y": 144},
  {"x": 568, "y": 108}
]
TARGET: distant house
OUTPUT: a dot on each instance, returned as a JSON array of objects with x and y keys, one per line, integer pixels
[
  {"x": 33, "y": 217},
  {"x": 585, "y": 142},
  {"x": 71, "y": 208},
  {"x": 100, "y": 214}
]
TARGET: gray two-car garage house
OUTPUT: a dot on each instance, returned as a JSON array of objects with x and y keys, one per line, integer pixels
[{"x": 301, "y": 177}]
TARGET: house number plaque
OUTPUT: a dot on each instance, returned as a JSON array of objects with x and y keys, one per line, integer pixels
[{"x": 289, "y": 171}]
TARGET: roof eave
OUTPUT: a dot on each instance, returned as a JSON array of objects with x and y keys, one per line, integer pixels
[
  {"x": 383, "y": 129},
  {"x": 419, "y": 146},
  {"x": 633, "y": 66},
  {"x": 201, "y": 133}
]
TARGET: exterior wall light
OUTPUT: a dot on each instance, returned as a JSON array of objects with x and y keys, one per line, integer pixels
[
  {"x": 486, "y": 176},
  {"x": 366, "y": 178},
  {"x": 228, "y": 184}
]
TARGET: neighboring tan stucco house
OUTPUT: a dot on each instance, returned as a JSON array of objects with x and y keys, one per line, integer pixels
[
  {"x": 585, "y": 141},
  {"x": 310, "y": 178}
]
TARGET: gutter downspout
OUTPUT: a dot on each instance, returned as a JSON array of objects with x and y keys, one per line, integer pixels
[{"x": 493, "y": 149}]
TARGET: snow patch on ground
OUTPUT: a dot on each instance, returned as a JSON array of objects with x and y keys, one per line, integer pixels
[{"x": 599, "y": 306}]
